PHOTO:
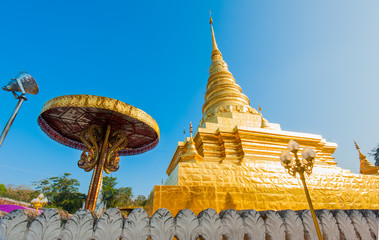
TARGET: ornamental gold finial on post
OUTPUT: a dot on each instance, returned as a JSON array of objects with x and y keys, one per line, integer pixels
[{"x": 297, "y": 166}]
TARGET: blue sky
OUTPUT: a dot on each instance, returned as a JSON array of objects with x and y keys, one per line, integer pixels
[{"x": 312, "y": 66}]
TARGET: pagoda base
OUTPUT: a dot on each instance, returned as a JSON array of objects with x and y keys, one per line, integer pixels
[{"x": 261, "y": 186}]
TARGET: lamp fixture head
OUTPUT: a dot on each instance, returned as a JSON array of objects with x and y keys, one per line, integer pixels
[
  {"x": 286, "y": 158},
  {"x": 293, "y": 146},
  {"x": 308, "y": 154},
  {"x": 23, "y": 82}
]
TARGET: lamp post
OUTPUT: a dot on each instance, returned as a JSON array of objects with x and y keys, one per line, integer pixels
[
  {"x": 297, "y": 166},
  {"x": 39, "y": 201},
  {"x": 24, "y": 83}
]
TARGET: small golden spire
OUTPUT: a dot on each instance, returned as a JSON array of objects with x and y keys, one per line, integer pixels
[
  {"x": 260, "y": 109},
  {"x": 366, "y": 167},
  {"x": 191, "y": 154},
  {"x": 191, "y": 129},
  {"x": 361, "y": 156}
]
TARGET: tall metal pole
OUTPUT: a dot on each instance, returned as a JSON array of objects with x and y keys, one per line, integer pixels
[
  {"x": 21, "y": 99},
  {"x": 301, "y": 173}
]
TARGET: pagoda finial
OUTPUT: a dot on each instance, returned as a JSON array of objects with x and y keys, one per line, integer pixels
[
  {"x": 361, "y": 156},
  {"x": 216, "y": 54},
  {"x": 356, "y": 145},
  {"x": 191, "y": 154},
  {"x": 191, "y": 129}
]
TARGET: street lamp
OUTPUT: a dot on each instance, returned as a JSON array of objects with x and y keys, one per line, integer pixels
[
  {"x": 39, "y": 201},
  {"x": 297, "y": 166},
  {"x": 24, "y": 83}
]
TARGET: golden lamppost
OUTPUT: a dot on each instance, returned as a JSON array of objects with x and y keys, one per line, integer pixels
[
  {"x": 39, "y": 201},
  {"x": 297, "y": 166}
]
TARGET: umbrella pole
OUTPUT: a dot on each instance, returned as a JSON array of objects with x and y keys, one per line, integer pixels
[{"x": 97, "y": 174}]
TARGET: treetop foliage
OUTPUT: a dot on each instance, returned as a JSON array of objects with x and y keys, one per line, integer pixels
[
  {"x": 62, "y": 192},
  {"x": 375, "y": 154},
  {"x": 119, "y": 197},
  {"x": 19, "y": 193}
]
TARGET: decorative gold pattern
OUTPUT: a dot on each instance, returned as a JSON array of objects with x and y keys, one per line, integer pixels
[
  {"x": 117, "y": 142},
  {"x": 90, "y": 156},
  {"x": 64, "y": 119}
]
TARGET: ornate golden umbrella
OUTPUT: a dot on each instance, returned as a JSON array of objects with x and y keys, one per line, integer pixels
[{"x": 103, "y": 128}]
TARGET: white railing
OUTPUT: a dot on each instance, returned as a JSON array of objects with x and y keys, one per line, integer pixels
[{"x": 208, "y": 225}]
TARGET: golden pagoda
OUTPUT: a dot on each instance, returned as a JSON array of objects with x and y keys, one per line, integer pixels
[{"x": 233, "y": 161}]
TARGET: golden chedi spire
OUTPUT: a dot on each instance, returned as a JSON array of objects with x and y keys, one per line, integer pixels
[
  {"x": 191, "y": 154},
  {"x": 366, "y": 167},
  {"x": 224, "y": 96}
]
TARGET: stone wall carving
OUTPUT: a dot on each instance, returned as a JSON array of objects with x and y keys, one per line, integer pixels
[
  {"x": 329, "y": 225},
  {"x": 360, "y": 224},
  {"x": 208, "y": 225},
  {"x": 293, "y": 224},
  {"x": 309, "y": 227},
  {"x": 345, "y": 225},
  {"x": 275, "y": 228},
  {"x": 186, "y": 225}
]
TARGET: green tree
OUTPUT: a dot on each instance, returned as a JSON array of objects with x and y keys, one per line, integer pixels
[
  {"x": 115, "y": 197},
  {"x": 62, "y": 192},
  {"x": 3, "y": 189},
  {"x": 18, "y": 193},
  {"x": 140, "y": 201},
  {"x": 124, "y": 196},
  {"x": 109, "y": 191},
  {"x": 375, "y": 154}
]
